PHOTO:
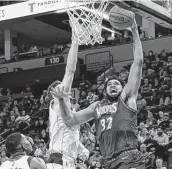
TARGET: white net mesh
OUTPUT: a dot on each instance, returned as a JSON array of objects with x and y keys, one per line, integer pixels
[{"x": 86, "y": 19}]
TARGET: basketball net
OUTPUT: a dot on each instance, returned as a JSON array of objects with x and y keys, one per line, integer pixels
[{"x": 86, "y": 19}]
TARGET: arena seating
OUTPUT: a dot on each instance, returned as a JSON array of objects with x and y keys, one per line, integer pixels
[{"x": 29, "y": 113}]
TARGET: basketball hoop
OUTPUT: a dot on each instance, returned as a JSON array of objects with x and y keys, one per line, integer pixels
[{"x": 85, "y": 17}]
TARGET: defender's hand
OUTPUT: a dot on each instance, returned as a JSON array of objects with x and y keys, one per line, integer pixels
[{"x": 59, "y": 93}]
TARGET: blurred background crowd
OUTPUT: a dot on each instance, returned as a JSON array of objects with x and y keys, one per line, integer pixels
[{"x": 30, "y": 114}]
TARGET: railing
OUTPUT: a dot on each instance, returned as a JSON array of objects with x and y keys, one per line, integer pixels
[{"x": 96, "y": 61}]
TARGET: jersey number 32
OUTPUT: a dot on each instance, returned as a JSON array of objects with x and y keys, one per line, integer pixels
[{"x": 106, "y": 123}]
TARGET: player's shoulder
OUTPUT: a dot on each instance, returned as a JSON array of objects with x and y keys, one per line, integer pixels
[
  {"x": 4, "y": 165},
  {"x": 35, "y": 162}
]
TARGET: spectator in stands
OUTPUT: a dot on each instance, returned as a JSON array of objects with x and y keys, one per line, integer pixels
[
  {"x": 163, "y": 55},
  {"x": 35, "y": 106},
  {"x": 149, "y": 158},
  {"x": 150, "y": 142},
  {"x": 146, "y": 88},
  {"x": 124, "y": 74},
  {"x": 33, "y": 48},
  {"x": 169, "y": 62},
  {"x": 142, "y": 135},
  {"x": 151, "y": 55},
  {"x": 2, "y": 125},
  {"x": 75, "y": 104},
  {"x": 44, "y": 100},
  {"x": 44, "y": 134},
  {"x": 86, "y": 134},
  {"x": 28, "y": 89},
  {"x": 161, "y": 137},
  {"x": 42, "y": 150},
  {"x": 143, "y": 150},
  {"x": 153, "y": 131},
  {"x": 84, "y": 84},
  {"x": 83, "y": 100},
  {"x": 150, "y": 119},
  {"x": 161, "y": 117},
  {"x": 54, "y": 51},
  {"x": 91, "y": 97},
  {"x": 165, "y": 123},
  {"x": 24, "y": 117},
  {"x": 40, "y": 125},
  {"x": 89, "y": 145},
  {"x": 141, "y": 126},
  {"x": 159, "y": 163},
  {"x": 159, "y": 35},
  {"x": 96, "y": 157},
  {"x": 81, "y": 164},
  {"x": 23, "y": 49},
  {"x": 153, "y": 100},
  {"x": 12, "y": 124},
  {"x": 3, "y": 157},
  {"x": 141, "y": 102},
  {"x": 163, "y": 141},
  {"x": 169, "y": 131}
]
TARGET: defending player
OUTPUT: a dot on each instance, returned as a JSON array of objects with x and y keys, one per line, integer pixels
[
  {"x": 115, "y": 116},
  {"x": 64, "y": 140},
  {"x": 18, "y": 146}
]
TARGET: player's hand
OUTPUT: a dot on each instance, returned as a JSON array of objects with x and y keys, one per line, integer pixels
[
  {"x": 133, "y": 27},
  {"x": 54, "y": 84},
  {"x": 59, "y": 93}
]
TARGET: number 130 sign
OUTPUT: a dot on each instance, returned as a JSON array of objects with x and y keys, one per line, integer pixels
[{"x": 54, "y": 60}]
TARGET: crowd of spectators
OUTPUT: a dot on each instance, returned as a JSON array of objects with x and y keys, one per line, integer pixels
[
  {"x": 30, "y": 114},
  {"x": 25, "y": 52}
]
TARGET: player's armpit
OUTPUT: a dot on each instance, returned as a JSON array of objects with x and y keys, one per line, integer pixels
[
  {"x": 37, "y": 163},
  {"x": 82, "y": 116}
]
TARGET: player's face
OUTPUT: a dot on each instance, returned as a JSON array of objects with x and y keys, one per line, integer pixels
[{"x": 113, "y": 88}]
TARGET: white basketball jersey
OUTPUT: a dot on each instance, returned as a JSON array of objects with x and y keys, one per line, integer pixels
[
  {"x": 63, "y": 139},
  {"x": 21, "y": 163}
]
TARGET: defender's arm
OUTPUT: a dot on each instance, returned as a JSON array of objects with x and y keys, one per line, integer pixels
[
  {"x": 70, "y": 67},
  {"x": 77, "y": 118}
]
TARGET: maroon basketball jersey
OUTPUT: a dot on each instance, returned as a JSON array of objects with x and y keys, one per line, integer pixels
[{"x": 116, "y": 128}]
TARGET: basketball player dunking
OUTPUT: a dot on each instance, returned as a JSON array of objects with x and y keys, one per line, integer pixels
[
  {"x": 64, "y": 140},
  {"x": 18, "y": 146},
  {"x": 115, "y": 116}
]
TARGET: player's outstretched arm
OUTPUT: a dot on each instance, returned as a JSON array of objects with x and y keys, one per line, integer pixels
[
  {"x": 70, "y": 67},
  {"x": 72, "y": 119},
  {"x": 77, "y": 118},
  {"x": 134, "y": 79}
]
